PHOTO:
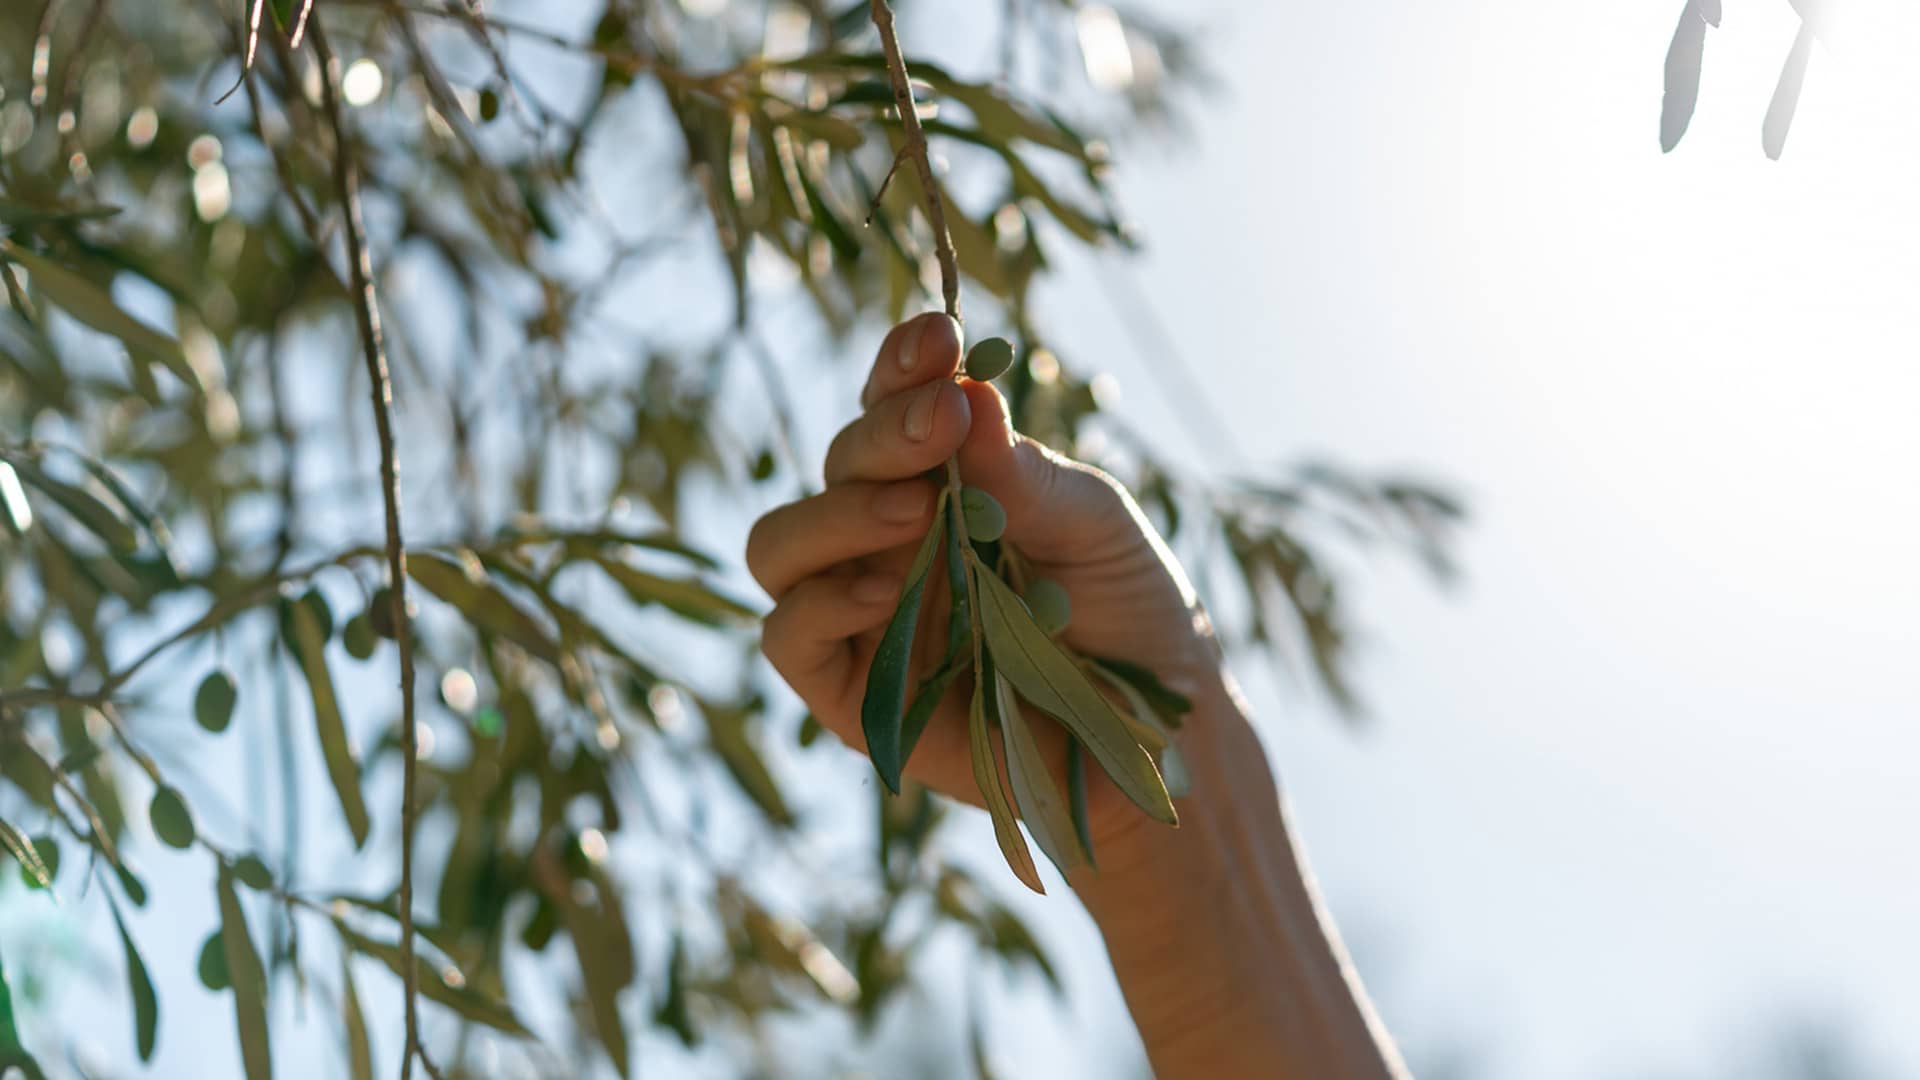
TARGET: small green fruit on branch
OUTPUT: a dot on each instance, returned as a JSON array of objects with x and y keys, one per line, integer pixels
[{"x": 989, "y": 359}]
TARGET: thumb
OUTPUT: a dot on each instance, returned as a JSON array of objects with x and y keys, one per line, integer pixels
[{"x": 1057, "y": 508}]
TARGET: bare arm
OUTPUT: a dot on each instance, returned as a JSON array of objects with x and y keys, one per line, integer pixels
[{"x": 1229, "y": 965}]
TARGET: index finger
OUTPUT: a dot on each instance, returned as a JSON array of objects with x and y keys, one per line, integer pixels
[{"x": 919, "y": 350}]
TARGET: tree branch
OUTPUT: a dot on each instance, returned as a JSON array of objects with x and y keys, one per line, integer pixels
[
  {"x": 916, "y": 150},
  {"x": 367, "y": 314}
]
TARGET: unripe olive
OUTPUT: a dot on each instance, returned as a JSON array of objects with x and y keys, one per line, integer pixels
[
  {"x": 213, "y": 702},
  {"x": 253, "y": 872},
  {"x": 989, "y": 358},
  {"x": 359, "y": 636},
  {"x": 49, "y": 851},
  {"x": 172, "y": 821},
  {"x": 380, "y": 611},
  {"x": 985, "y": 519},
  {"x": 315, "y": 605},
  {"x": 1047, "y": 599},
  {"x": 489, "y": 103},
  {"x": 213, "y": 963}
]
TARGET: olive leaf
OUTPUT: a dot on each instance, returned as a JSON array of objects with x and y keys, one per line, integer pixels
[
  {"x": 437, "y": 985},
  {"x": 883, "y": 710},
  {"x": 462, "y": 583},
  {"x": 1168, "y": 704},
  {"x": 309, "y": 645},
  {"x": 683, "y": 596},
  {"x": 959, "y": 631},
  {"x": 1786, "y": 93},
  {"x": 92, "y": 305},
  {"x": 986, "y": 774},
  {"x": 1077, "y": 795},
  {"x": 27, "y": 853},
  {"x": 249, "y": 980},
  {"x": 359, "y": 1045},
  {"x": 1046, "y": 676},
  {"x": 13, "y": 1053},
  {"x": 146, "y": 1006},
  {"x": 1034, "y": 792},
  {"x": 98, "y": 518},
  {"x": 1152, "y": 732}
]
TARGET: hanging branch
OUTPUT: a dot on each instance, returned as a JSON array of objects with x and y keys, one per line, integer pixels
[
  {"x": 367, "y": 313},
  {"x": 916, "y": 150}
]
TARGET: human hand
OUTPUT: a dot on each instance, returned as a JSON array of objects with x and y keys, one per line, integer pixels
[{"x": 835, "y": 562}]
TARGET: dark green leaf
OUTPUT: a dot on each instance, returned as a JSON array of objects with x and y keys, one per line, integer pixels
[
  {"x": 684, "y": 596},
  {"x": 883, "y": 709},
  {"x": 309, "y": 640},
  {"x": 253, "y": 873},
  {"x": 96, "y": 516},
  {"x": 1077, "y": 795},
  {"x": 1170, "y": 705},
  {"x": 13, "y": 1053},
  {"x": 249, "y": 982},
  {"x": 171, "y": 819},
  {"x": 146, "y": 1006},
  {"x": 359, "y": 1045},
  {"x": 462, "y": 582}
]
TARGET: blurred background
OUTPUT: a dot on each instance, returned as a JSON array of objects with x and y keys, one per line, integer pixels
[{"x": 1629, "y": 795}]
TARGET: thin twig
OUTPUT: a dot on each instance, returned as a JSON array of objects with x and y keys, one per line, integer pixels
[
  {"x": 367, "y": 314},
  {"x": 916, "y": 150}
]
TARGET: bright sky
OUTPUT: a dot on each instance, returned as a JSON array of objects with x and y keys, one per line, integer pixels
[{"x": 1644, "y": 786}]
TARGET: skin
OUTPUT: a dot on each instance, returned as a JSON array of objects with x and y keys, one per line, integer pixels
[{"x": 1229, "y": 963}]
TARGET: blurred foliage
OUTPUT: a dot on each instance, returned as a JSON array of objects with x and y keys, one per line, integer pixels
[
  {"x": 190, "y": 520},
  {"x": 1687, "y": 53}
]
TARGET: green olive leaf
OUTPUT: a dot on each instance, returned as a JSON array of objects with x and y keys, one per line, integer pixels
[
  {"x": 1046, "y": 676},
  {"x": 1077, "y": 795},
  {"x": 13, "y": 1053},
  {"x": 249, "y": 980},
  {"x": 359, "y": 1045},
  {"x": 1168, "y": 704},
  {"x": 342, "y": 769},
  {"x": 1149, "y": 727},
  {"x": 448, "y": 990},
  {"x": 462, "y": 582},
  {"x": 986, "y": 774},
  {"x": 93, "y": 306},
  {"x": 84, "y": 507},
  {"x": 1034, "y": 792},
  {"x": 883, "y": 710},
  {"x": 146, "y": 1006},
  {"x": 27, "y": 853}
]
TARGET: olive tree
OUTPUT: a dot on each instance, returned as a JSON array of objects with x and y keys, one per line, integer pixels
[{"x": 386, "y": 386}]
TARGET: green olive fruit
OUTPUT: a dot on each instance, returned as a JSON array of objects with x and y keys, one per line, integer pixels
[
  {"x": 1047, "y": 599},
  {"x": 213, "y": 702},
  {"x": 764, "y": 465},
  {"x": 48, "y": 850},
  {"x": 489, "y": 103},
  {"x": 989, "y": 359},
  {"x": 318, "y": 613},
  {"x": 359, "y": 636},
  {"x": 380, "y": 612},
  {"x": 985, "y": 519},
  {"x": 172, "y": 821},
  {"x": 213, "y": 963},
  {"x": 253, "y": 872}
]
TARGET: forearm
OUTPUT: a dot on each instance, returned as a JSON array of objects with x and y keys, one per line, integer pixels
[{"x": 1229, "y": 966}]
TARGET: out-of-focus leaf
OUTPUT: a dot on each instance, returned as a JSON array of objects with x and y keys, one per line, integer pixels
[
  {"x": 89, "y": 511},
  {"x": 146, "y": 1006},
  {"x": 91, "y": 304},
  {"x": 249, "y": 982},
  {"x": 684, "y": 596},
  {"x": 883, "y": 709},
  {"x": 462, "y": 582},
  {"x": 727, "y": 730},
  {"x": 1049, "y": 678},
  {"x": 359, "y": 1045},
  {"x": 986, "y": 775},
  {"x": 673, "y": 1013},
  {"x": 838, "y": 133},
  {"x": 342, "y": 769},
  {"x": 1683, "y": 69},
  {"x": 13, "y": 1053},
  {"x": 446, "y": 987},
  {"x": 20, "y": 214},
  {"x": 23, "y": 850},
  {"x": 1786, "y": 94},
  {"x": 1077, "y": 796}
]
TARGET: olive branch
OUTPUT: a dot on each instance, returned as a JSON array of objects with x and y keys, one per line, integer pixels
[{"x": 1015, "y": 653}]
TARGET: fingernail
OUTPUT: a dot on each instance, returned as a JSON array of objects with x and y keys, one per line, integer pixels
[
  {"x": 919, "y": 419},
  {"x": 909, "y": 351},
  {"x": 901, "y": 503},
  {"x": 873, "y": 589}
]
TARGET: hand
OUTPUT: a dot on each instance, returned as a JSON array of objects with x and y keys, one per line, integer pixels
[{"x": 835, "y": 563}]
